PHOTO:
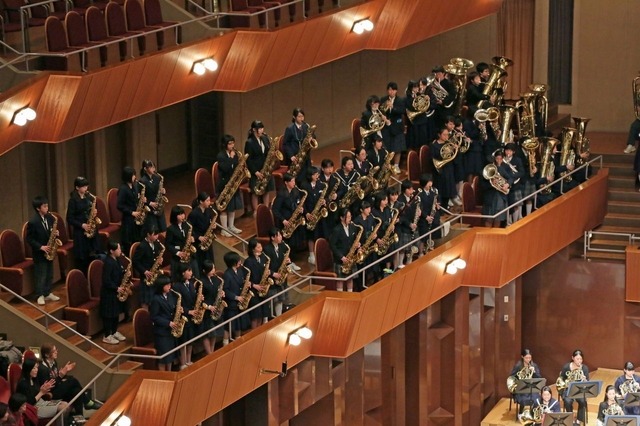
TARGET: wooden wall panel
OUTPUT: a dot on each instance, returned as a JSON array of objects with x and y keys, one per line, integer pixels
[{"x": 632, "y": 278}]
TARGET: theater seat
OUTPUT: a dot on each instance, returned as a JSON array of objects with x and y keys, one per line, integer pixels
[
  {"x": 13, "y": 376},
  {"x": 135, "y": 22},
  {"x": 355, "y": 133},
  {"x": 117, "y": 27},
  {"x": 426, "y": 162},
  {"x": 143, "y": 343},
  {"x": 94, "y": 276},
  {"x": 65, "y": 252},
  {"x": 413, "y": 168},
  {"x": 204, "y": 182},
  {"x": 97, "y": 31},
  {"x": 115, "y": 215},
  {"x": 153, "y": 17},
  {"x": 56, "y": 42},
  {"x": 107, "y": 229},
  {"x": 82, "y": 308},
  {"x": 5, "y": 390},
  {"x": 16, "y": 271},
  {"x": 324, "y": 264},
  {"x": 264, "y": 222},
  {"x": 29, "y": 354},
  {"x": 77, "y": 39},
  {"x": 469, "y": 206}
]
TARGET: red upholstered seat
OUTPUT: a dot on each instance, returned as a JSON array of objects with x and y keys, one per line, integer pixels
[
  {"x": 135, "y": 22},
  {"x": 324, "y": 264},
  {"x": 469, "y": 206},
  {"x": 94, "y": 276},
  {"x": 426, "y": 162},
  {"x": 77, "y": 39},
  {"x": 475, "y": 183},
  {"x": 16, "y": 271},
  {"x": 413, "y": 168},
  {"x": 143, "y": 337},
  {"x": 97, "y": 32},
  {"x": 267, "y": 5},
  {"x": 117, "y": 27},
  {"x": 82, "y": 308},
  {"x": 264, "y": 222},
  {"x": 56, "y": 42},
  {"x": 5, "y": 390},
  {"x": 13, "y": 376},
  {"x": 242, "y": 6},
  {"x": 65, "y": 252},
  {"x": 153, "y": 17},
  {"x": 107, "y": 229},
  {"x": 28, "y": 354},
  {"x": 115, "y": 215},
  {"x": 204, "y": 182},
  {"x": 355, "y": 133}
]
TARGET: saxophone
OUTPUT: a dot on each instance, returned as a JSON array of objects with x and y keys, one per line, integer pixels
[
  {"x": 352, "y": 255},
  {"x": 273, "y": 155},
  {"x": 239, "y": 174},
  {"x": 306, "y": 146},
  {"x": 161, "y": 199},
  {"x": 179, "y": 320},
  {"x": 385, "y": 171},
  {"x": 266, "y": 281},
  {"x": 54, "y": 242},
  {"x": 188, "y": 249},
  {"x": 370, "y": 245},
  {"x": 319, "y": 210},
  {"x": 354, "y": 191},
  {"x": 209, "y": 235},
  {"x": 434, "y": 208},
  {"x": 219, "y": 304},
  {"x": 155, "y": 268},
  {"x": 333, "y": 206},
  {"x": 297, "y": 218},
  {"x": 93, "y": 221},
  {"x": 246, "y": 292},
  {"x": 416, "y": 217},
  {"x": 141, "y": 207},
  {"x": 284, "y": 268},
  {"x": 371, "y": 184},
  {"x": 199, "y": 307},
  {"x": 126, "y": 285},
  {"x": 390, "y": 236}
]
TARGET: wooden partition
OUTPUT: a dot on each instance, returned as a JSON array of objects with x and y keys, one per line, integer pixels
[
  {"x": 632, "y": 279},
  {"x": 344, "y": 323}
]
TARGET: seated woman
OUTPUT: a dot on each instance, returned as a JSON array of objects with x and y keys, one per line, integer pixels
[
  {"x": 66, "y": 386},
  {"x": 35, "y": 391}
]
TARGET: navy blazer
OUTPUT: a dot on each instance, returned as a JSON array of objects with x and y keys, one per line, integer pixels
[
  {"x": 162, "y": 311},
  {"x": 37, "y": 236}
]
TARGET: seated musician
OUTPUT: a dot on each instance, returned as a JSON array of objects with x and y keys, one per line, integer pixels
[
  {"x": 546, "y": 404},
  {"x": 609, "y": 406},
  {"x": 377, "y": 153},
  {"x": 525, "y": 368},
  {"x": 628, "y": 382},
  {"x": 574, "y": 371},
  {"x": 283, "y": 209},
  {"x": 341, "y": 242}
]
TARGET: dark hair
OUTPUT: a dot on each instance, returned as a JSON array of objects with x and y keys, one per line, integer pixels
[
  {"x": 576, "y": 352},
  {"x": 183, "y": 267},
  {"x": 392, "y": 190},
  {"x": 545, "y": 389},
  {"x": 145, "y": 164},
  {"x": 38, "y": 201},
  {"x": 225, "y": 141},
  {"x": 378, "y": 198},
  {"x": 370, "y": 101},
  {"x": 628, "y": 366},
  {"x": 472, "y": 75},
  {"x": 127, "y": 173},
  {"x": 150, "y": 229},
  {"x": 16, "y": 401},
  {"x": 27, "y": 366},
  {"x": 326, "y": 163},
  {"x": 437, "y": 68},
  {"x": 175, "y": 212},
  {"x": 410, "y": 86},
  {"x": 392, "y": 85},
  {"x": 160, "y": 282},
  {"x": 481, "y": 67},
  {"x": 377, "y": 137},
  {"x": 112, "y": 245},
  {"x": 440, "y": 130},
  {"x": 287, "y": 177},
  {"x": 364, "y": 205},
  {"x": 80, "y": 181},
  {"x": 425, "y": 178},
  {"x": 311, "y": 171},
  {"x": 607, "y": 389},
  {"x": 207, "y": 266},
  {"x": 295, "y": 113},
  {"x": 525, "y": 352},
  {"x": 255, "y": 125},
  {"x": 342, "y": 213},
  {"x": 202, "y": 196},
  {"x": 3, "y": 409},
  {"x": 457, "y": 121},
  {"x": 231, "y": 259},
  {"x": 345, "y": 160},
  {"x": 46, "y": 349},
  {"x": 273, "y": 232},
  {"x": 253, "y": 243},
  {"x": 449, "y": 119},
  {"x": 406, "y": 184}
]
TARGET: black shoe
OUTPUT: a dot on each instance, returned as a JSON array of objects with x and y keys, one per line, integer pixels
[{"x": 92, "y": 405}]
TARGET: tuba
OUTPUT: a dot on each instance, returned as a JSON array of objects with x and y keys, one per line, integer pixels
[
  {"x": 458, "y": 68},
  {"x": 542, "y": 103},
  {"x": 498, "y": 70},
  {"x": 246, "y": 292},
  {"x": 297, "y": 217},
  {"x": 125, "y": 289},
  {"x": 582, "y": 144},
  {"x": 308, "y": 143},
  {"x": 548, "y": 167},
  {"x": 209, "y": 235},
  {"x": 568, "y": 155},
  {"x": 531, "y": 147},
  {"x": 141, "y": 207},
  {"x": 54, "y": 242},
  {"x": 420, "y": 105},
  {"x": 376, "y": 123},
  {"x": 352, "y": 255},
  {"x": 240, "y": 173},
  {"x": 93, "y": 221},
  {"x": 273, "y": 155},
  {"x": 508, "y": 113},
  {"x": 526, "y": 107},
  {"x": 179, "y": 320},
  {"x": 319, "y": 210},
  {"x": 497, "y": 181},
  {"x": 448, "y": 152}
]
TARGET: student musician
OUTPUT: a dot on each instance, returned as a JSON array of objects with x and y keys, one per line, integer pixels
[
  {"x": 277, "y": 252},
  {"x": 628, "y": 382},
  {"x": 314, "y": 189},
  {"x": 445, "y": 179},
  {"x": 234, "y": 278},
  {"x": 211, "y": 290},
  {"x": 546, "y": 404},
  {"x": 39, "y": 230},
  {"x": 162, "y": 311},
  {"x": 293, "y": 137},
  {"x": 377, "y": 153},
  {"x": 257, "y": 146},
  {"x": 392, "y": 106},
  {"x": 284, "y": 206},
  {"x": 368, "y": 223},
  {"x": 143, "y": 260},
  {"x": 372, "y": 106},
  {"x": 382, "y": 211},
  {"x": 227, "y": 160},
  {"x": 200, "y": 218},
  {"x": 185, "y": 285},
  {"x": 347, "y": 177},
  {"x": 609, "y": 406},
  {"x": 154, "y": 184},
  {"x": 429, "y": 211},
  {"x": 341, "y": 241},
  {"x": 176, "y": 242},
  {"x": 407, "y": 225},
  {"x": 575, "y": 371},
  {"x": 128, "y": 194},
  {"x": 256, "y": 262},
  {"x": 327, "y": 176},
  {"x": 110, "y": 306},
  {"x": 517, "y": 174},
  {"x": 525, "y": 368},
  {"x": 495, "y": 199}
]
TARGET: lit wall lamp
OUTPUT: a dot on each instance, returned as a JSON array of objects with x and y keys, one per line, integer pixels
[
  {"x": 295, "y": 338},
  {"x": 362, "y": 25},
  {"x": 24, "y": 115},
  {"x": 453, "y": 266},
  {"x": 204, "y": 65}
]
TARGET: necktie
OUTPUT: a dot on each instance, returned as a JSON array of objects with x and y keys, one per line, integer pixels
[{"x": 276, "y": 249}]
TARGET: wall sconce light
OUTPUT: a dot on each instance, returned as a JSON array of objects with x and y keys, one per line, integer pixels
[
  {"x": 204, "y": 65},
  {"x": 295, "y": 338},
  {"x": 362, "y": 25},
  {"x": 456, "y": 264},
  {"x": 24, "y": 115}
]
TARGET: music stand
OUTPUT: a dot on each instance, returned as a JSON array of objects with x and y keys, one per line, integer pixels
[
  {"x": 632, "y": 399},
  {"x": 622, "y": 421},
  {"x": 530, "y": 386},
  {"x": 558, "y": 419},
  {"x": 584, "y": 390}
]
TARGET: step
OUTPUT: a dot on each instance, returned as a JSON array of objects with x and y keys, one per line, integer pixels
[
  {"x": 617, "y": 158},
  {"x": 608, "y": 257},
  {"x": 55, "y": 309},
  {"x": 63, "y": 331},
  {"x": 618, "y": 230},
  {"x": 80, "y": 342},
  {"x": 621, "y": 182},
  {"x": 624, "y": 194},
  {"x": 609, "y": 244},
  {"x": 622, "y": 219},
  {"x": 617, "y": 169},
  {"x": 628, "y": 207},
  {"x": 128, "y": 365}
]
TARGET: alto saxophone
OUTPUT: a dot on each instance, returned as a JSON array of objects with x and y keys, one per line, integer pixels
[
  {"x": 161, "y": 199},
  {"x": 240, "y": 173},
  {"x": 333, "y": 206},
  {"x": 370, "y": 245},
  {"x": 266, "y": 281},
  {"x": 306, "y": 146},
  {"x": 199, "y": 306},
  {"x": 273, "y": 155},
  {"x": 390, "y": 236},
  {"x": 188, "y": 249},
  {"x": 283, "y": 270},
  {"x": 155, "y": 268},
  {"x": 179, "y": 320},
  {"x": 246, "y": 294},
  {"x": 354, "y": 191},
  {"x": 126, "y": 285},
  {"x": 319, "y": 210},
  {"x": 219, "y": 304},
  {"x": 141, "y": 208},
  {"x": 93, "y": 221},
  {"x": 54, "y": 242},
  {"x": 414, "y": 249},
  {"x": 352, "y": 255},
  {"x": 209, "y": 236},
  {"x": 297, "y": 218}
]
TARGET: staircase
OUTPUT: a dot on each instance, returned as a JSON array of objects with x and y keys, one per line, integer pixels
[{"x": 623, "y": 212}]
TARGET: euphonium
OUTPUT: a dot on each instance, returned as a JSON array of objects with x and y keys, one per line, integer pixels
[
  {"x": 385, "y": 171},
  {"x": 93, "y": 221},
  {"x": 582, "y": 143},
  {"x": 266, "y": 281},
  {"x": 370, "y": 244},
  {"x": 352, "y": 255},
  {"x": 125, "y": 289},
  {"x": 542, "y": 103},
  {"x": 240, "y": 173},
  {"x": 246, "y": 294},
  {"x": 531, "y": 147},
  {"x": 155, "y": 268},
  {"x": 458, "y": 68},
  {"x": 161, "y": 199},
  {"x": 273, "y": 155},
  {"x": 179, "y": 320},
  {"x": 376, "y": 123},
  {"x": 420, "y": 104},
  {"x": 199, "y": 306},
  {"x": 209, "y": 236},
  {"x": 319, "y": 210},
  {"x": 188, "y": 249},
  {"x": 141, "y": 207},
  {"x": 497, "y": 181},
  {"x": 297, "y": 217},
  {"x": 448, "y": 152},
  {"x": 284, "y": 267},
  {"x": 482, "y": 116},
  {"x": 508, "y": 113},
  {"x": 567, "y": 155},
  {"x": 526, "y": 107},
  {"x": 306, "y": 146},
  {"x": 390, "y": 236},
  {"x": 548, "y": 167},
  {"x": 54, "y": 242},
  {"x": 354, "y": 191}
]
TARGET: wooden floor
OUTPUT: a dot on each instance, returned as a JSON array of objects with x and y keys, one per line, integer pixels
[{"x": 501, "y": 416}]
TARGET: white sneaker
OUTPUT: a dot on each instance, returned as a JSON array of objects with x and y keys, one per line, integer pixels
[
  {"x": 457, "y": 201},
  {"x": 41, "y": 300},
  {"x": 225, "y": 234},
  {"x": 311, "y": 259},
  {"x": 110, "y": 340},
  {"x": 294, "y": 266},
  {"x": 630, "y": 149},
  {"x": 396, "y": 169},
  {"x": 119, "y": 336},
  {"x": 236, "y": 230},
  {"x": 52, "y": 297}
]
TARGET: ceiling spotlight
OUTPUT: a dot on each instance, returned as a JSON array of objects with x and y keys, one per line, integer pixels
[
  {"x": 362, "y": 25},
  {"x": 24, "y": 115}
]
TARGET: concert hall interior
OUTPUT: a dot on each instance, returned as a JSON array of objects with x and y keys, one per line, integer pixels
[{"x": 421, "y": 346}]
